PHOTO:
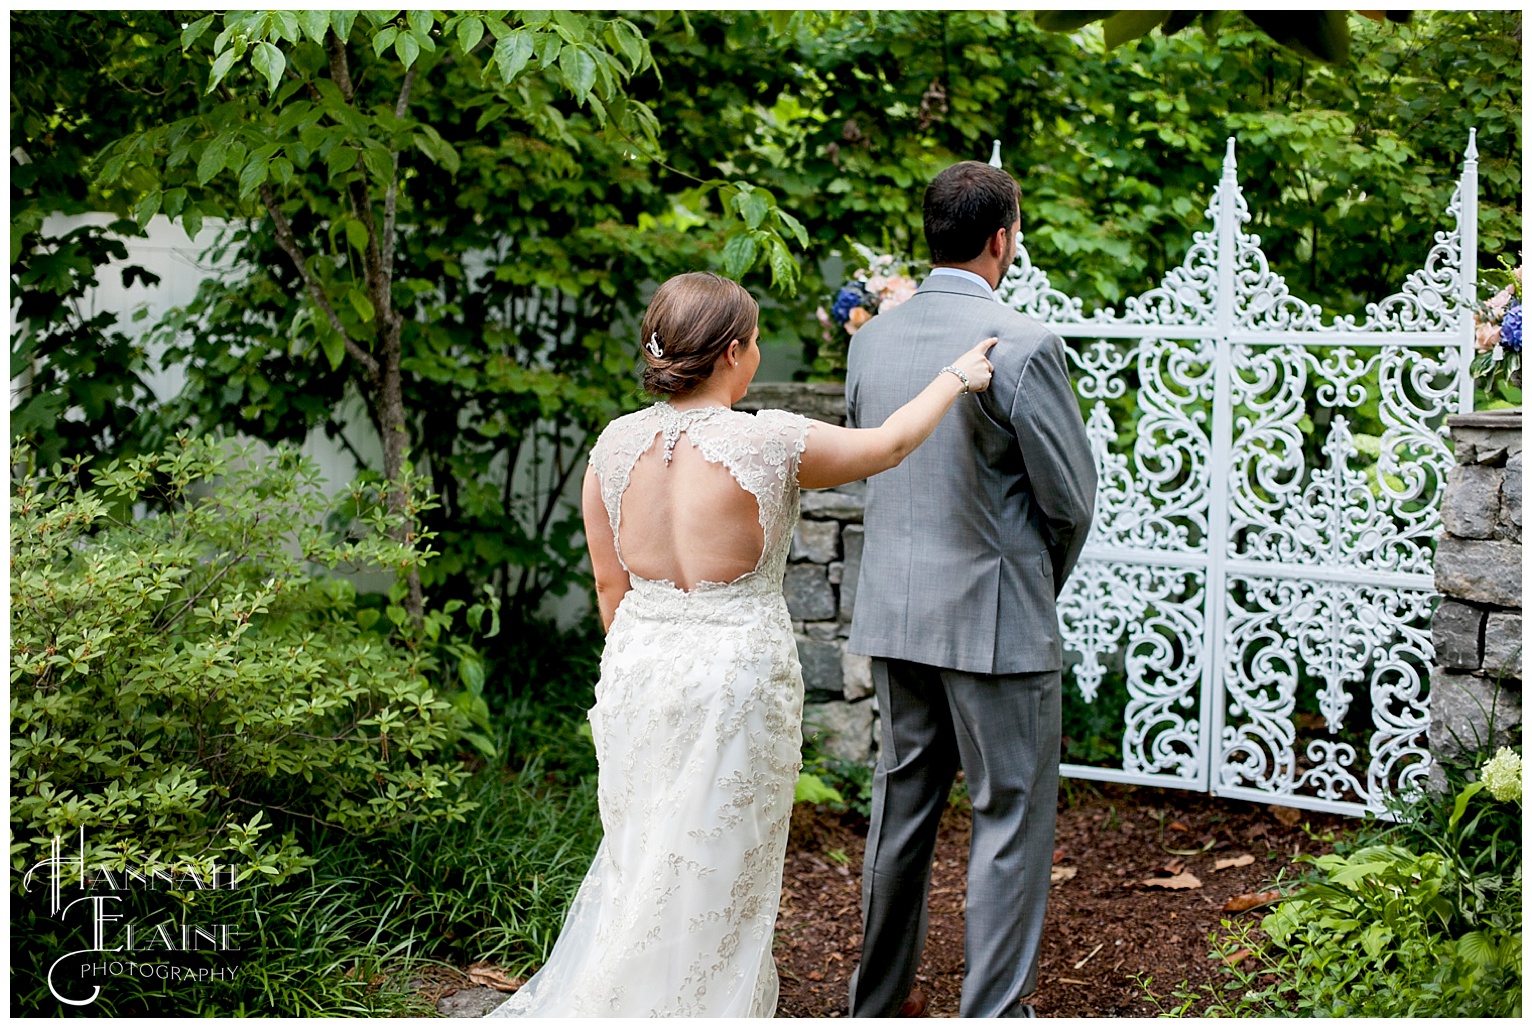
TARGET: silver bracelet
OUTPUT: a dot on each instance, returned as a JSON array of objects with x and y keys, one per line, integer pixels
[{"x": 961, "y": 377}]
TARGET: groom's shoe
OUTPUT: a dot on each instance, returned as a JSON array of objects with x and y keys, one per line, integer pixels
[{"x": 915, "y": 1006}]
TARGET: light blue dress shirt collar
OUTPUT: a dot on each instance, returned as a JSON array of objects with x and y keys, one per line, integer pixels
[{"x": 963, "y": 273}]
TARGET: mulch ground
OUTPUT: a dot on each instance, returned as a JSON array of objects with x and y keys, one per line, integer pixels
[{"x": 1106, "y": 930}]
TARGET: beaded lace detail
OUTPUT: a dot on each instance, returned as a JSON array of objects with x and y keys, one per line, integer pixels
[{"x": 697, "y": 733}]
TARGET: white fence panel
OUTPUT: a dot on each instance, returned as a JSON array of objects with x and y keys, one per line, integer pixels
[{"x": 1251, "y": 547}]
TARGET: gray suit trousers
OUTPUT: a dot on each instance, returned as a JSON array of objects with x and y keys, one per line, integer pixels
[{"x": 1003, "y": 730}]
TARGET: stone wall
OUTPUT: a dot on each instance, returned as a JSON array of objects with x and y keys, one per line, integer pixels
[
  {"x": 1477, "y": 626},
  {"x": 820, "y": 587}
]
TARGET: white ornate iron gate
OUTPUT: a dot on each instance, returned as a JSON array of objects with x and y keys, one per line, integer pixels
[{"x": 1255, "y": 550}]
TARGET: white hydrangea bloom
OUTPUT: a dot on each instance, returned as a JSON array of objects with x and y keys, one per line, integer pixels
[{"x": 1501, "y": 775}]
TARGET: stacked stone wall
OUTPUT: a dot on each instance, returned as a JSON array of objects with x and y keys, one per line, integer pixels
[
  {"x": 1476, "y": 629},
  {"x": 820, "y": 586}
]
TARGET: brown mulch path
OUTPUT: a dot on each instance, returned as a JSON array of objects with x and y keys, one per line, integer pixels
[{"x": 1104, "y": 928}]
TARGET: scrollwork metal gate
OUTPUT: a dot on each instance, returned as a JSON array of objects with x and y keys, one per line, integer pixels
[{"x": 1268, "y": 499}]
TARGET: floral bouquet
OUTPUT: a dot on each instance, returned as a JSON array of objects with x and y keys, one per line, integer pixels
[
  {"x": 1497, "y": 334},
  {"x": 883, "y": 284}
]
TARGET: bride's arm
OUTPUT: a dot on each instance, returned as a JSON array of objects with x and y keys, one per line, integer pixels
[
  {"x": 834, "y": 456},
  {"x": 612, "y": 582}
]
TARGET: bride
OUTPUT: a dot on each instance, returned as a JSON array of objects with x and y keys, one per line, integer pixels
[{"x": 689, "y": 514}]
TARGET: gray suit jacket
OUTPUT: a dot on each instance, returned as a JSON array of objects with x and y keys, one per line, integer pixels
[{"x": 970, "y": 539}]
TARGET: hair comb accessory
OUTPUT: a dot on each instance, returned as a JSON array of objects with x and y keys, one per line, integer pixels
[{"x": 653, "y": 345}]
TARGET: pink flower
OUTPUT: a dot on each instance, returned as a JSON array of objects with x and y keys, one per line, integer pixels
[
  {"x": 1486, "y": 336},
  {"x": 859, "y": 317},
  {"x": 1498, "y": 302},
  {"x": 899, "y": 289},
  {"x": 824, "y": 317}
]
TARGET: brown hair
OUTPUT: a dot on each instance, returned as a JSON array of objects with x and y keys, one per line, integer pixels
[
  {"x": 692, "y": 320},
  {"x": 965, "y": 205}
]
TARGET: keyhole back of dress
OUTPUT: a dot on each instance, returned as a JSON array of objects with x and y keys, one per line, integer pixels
[{"x": 688, "y": 521}]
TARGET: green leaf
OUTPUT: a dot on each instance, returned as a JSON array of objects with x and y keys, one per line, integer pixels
[
  {"x": 213, "y": 157},
  {"x": 175, "y": 202},
  {"x": 512, "y": 54},
  {"x": 784, "y": 270},
  {"x": 753, "y": 206},
  {"x": 481, "y": 743},
  {"x": 794, "y": 226},
  {"x": 331, "y": 343},
  {"x": 194, "y": 31},
  {"x": 488, "y": 115},
  {"x": 315, "y": 24},
  {"x": 268, "y": 60},
  {"x": 191, "y": 222},
  {"x": 252, "y": 176},
  {"x": 384, "y": 39},
  {"x": 420, "y": 21},
  {"x": 630, "y": 42},
  {"x": 363, "y": 306},
  {"x": 379, "y": 163},
  {"x": 1477, "y": 948},
  {"x": 147, "y": 208},
  {"x": 341, "y": 22},
  {"x": 548, "y": 47},
  {"x": 579, "y": 69},
  {"x": 356, "y": 234},
  {"x": 469, "y": 31},
  {"x": 1460, "y": 805},
  {"x": 471, "y": 670},
  {"x": 341, "y": 160},
  {"x": 406, "y": 48},
  {"x": 812, "y": 789},
  {"x": 221, "y": 65},
  {"x": 1126, "y": 26},
  {"x": 739, "y": 254}
]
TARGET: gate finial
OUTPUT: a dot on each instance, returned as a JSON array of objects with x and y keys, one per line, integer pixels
[
  {"x": 1228, "y": 157},
  {"x": 1471, "y": 154},
  {"x": 994, "y": 157}
]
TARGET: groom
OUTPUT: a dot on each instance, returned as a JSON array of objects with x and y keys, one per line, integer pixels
[{"x": 968, "y": 543}]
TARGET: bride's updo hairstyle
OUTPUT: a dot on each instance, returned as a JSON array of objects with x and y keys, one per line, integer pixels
[{"x": 689, "y": 324}]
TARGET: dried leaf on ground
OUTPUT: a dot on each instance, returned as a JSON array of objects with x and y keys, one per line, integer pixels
[
  {"x": 1235, "y": 957},
  {"x": 1242, "y": 860},
  {"x": 1173, "y": 867},
  {"x": 488, "y": 974},
  {"x": 1288, "y": 816},
  {"x": 1251, "y": 900},
  {"x": 1058, "y": 855},
  {"x": 1185, "y": 880},
  {"x": 1062, "y": 874},
  {"x": 1176, "y": 826}
]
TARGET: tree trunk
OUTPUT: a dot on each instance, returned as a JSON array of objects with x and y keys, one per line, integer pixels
[{"x": 396, "y": 447}]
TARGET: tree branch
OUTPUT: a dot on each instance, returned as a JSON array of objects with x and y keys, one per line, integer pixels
[
  {"x": 340, "y": 71},
  {"x": 391, "y": 199},
  {"x": 289, "y": 244}
]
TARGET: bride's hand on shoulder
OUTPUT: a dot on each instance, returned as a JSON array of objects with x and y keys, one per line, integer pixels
[
  {"x": 977, "y": 366},
  {"x": 833, "y": 456}
]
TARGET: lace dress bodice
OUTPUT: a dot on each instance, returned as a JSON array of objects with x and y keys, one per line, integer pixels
[
  {"x": 697, "y": 729},
  {"x": 760, "y": 450}
]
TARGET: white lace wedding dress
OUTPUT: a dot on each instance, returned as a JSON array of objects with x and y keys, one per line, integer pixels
[{"x": 697, "y": 731}]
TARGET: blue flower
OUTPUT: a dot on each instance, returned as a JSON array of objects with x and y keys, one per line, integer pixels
[
  {"x": 1510, "y": 328},
  {"x": 849, "y": 296}
]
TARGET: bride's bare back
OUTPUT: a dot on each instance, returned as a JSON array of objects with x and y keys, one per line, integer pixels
[{"x": 688, "y": 521}]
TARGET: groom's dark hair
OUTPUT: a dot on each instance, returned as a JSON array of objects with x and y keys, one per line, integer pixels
[{"x": 965, "y": 205}]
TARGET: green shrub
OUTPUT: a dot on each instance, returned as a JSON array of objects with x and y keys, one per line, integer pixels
[
  {"x": 1422, "y": 919},
  {"x": 183, "y": 682}
]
